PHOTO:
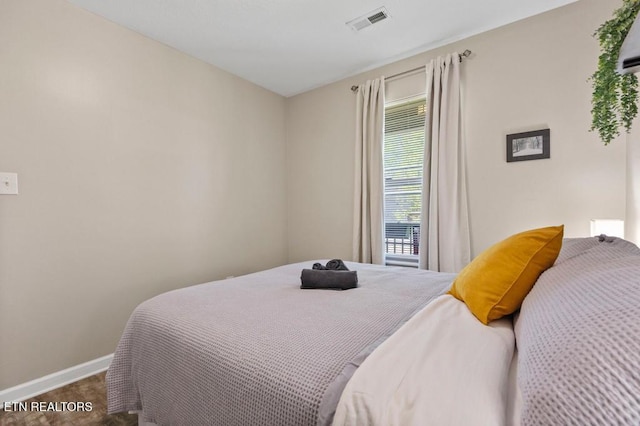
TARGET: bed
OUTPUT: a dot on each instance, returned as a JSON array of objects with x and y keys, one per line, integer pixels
[{"x": 397, "y": 350}]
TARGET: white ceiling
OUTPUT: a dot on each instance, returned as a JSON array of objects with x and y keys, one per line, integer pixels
[{"x": 291, "y": 46}]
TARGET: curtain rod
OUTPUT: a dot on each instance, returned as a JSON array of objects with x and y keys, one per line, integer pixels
[{"x": 463, "y": 55}]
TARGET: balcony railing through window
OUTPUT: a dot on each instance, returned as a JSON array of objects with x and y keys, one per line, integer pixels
[{"x": 402, "y": 238}]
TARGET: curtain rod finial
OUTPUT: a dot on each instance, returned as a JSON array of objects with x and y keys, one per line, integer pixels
[{"x": 465, "y": 54}]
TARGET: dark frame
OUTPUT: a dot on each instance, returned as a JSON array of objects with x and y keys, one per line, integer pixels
[{"x": 543, "y": 139}]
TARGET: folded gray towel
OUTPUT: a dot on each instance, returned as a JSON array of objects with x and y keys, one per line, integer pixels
[
  {"x": 337, "y": 265},
  {"x": 328, "y": 279},
  {"x": 333, "y": 264}
]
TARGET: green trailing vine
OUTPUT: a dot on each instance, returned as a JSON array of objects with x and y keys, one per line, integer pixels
[{"x": 615, "y": 96}]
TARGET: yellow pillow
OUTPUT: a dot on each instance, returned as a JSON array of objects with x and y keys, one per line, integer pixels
[{"x": 496, "y": 282}]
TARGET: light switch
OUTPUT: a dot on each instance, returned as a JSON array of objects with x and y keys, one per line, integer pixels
[{"x": 8, "y": 184}]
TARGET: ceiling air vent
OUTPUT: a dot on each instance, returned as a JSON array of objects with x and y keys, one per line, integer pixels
[{"x": 368, "y": 19}]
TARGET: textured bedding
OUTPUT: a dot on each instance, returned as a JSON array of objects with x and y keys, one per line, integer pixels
[
  {"x": 257, "y": 349},
  {"x": 578, "y": 338}
]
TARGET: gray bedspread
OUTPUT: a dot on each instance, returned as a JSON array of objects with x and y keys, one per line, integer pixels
[
  {"x": 258, "y": 350},
  {"x": 578, "y": 337}
]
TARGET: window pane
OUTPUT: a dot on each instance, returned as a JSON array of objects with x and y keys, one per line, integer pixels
[{"x": 403, "y": 157}]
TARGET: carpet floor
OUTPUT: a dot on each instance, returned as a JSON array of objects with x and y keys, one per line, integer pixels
[{"x": 92, "y": 389}]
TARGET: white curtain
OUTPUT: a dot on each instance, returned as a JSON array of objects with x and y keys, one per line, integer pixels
[
  {"x": 444, "y": 234},
  {"x": 368, "y": 213}
]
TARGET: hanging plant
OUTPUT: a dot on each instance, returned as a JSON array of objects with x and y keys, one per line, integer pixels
[{"x": 615, "y": 96}]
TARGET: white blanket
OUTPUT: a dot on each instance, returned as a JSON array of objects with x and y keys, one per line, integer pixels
[{"x": 443, "y": 367}]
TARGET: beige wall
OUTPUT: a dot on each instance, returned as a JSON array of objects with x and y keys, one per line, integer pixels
[
  {"x": 525, "y": 76},
  {"x": 140, "y": 170}
]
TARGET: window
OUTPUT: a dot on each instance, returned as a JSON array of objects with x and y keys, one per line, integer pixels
[{"x": 403, "y": 156}]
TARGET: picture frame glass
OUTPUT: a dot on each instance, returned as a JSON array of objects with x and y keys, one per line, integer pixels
[{"x": 527, "y": 146}]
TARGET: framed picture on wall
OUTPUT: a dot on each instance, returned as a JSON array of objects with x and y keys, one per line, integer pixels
[{"x": 528, "y": 145}]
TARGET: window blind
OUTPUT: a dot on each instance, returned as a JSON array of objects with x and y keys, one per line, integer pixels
[{"x": 403, "y": 157}]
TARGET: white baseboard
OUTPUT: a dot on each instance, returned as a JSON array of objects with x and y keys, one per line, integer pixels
[{"x": 55, "y": 380}]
